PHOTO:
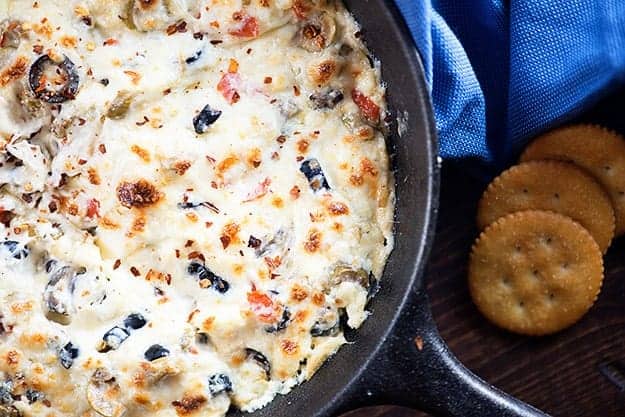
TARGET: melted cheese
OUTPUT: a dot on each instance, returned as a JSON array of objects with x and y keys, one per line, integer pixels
[{"x": 220, "y": 173}]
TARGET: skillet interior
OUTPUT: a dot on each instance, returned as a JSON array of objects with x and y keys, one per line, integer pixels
[{"x": 416, "y": 174}]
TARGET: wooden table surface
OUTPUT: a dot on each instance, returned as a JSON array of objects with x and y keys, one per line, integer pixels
[{"x": 579, "y": 372}]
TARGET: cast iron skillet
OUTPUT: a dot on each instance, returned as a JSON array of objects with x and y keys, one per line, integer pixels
[{"x": 384, "y": 365}]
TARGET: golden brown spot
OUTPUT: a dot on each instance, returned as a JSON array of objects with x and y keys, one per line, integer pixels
[
  {"x": 238, "y": 269},
  {"x": 336, "y": 208},
  {"x": 302, "y": 146},
  {"x": 33, "y": 339},
  {"x": 138, "y": 225},
  {"x": 94, "y": 177},
  {"x": 68, "y": 41},
  {"x": 298, "y": 293},
  {"x": 181, "y": 167},
  {"x": 368, "y": 168},
  {"x": 301, "y": 316},
  {"x": 192, "y": 217},
  {"x": 254, "y": 157},
  {"x": 338, "y": 227},
  {"x": 230, "y": 234},
  {"x": 14, "y": 72},
  {"x": 313, "y": 241},
  {"x": 289, "y": 347},
  {"x": 356, "y": 180},
  {"x": 318, "y": 299},
  {"x": 207, "y": 324},
  {"x": 108, "y": 223},
  {"x": 277, "y": 202},
  {"x": 12, "y": 358},
  {"x": 141, "y": 152},
  {"x": 189, "y": 403},
  {"x": 137, "y": 194},
  {"x": 226, "y": 164},
  {"x": 316, "y": 217},
  {"x": 19, "y": 308},
  {"x": 323, "y": 72}
]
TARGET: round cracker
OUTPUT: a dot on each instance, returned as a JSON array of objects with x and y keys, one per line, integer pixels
[
  {"x": 554, "y": 186},
  {"x": 599, "y": 151},
  {"x": 535, "y": 272}
]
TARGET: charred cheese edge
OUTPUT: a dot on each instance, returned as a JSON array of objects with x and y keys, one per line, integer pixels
[{"x": 196, "y": 200}]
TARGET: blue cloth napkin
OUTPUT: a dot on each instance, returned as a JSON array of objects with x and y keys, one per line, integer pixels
[{"x": 500, "y": 71}]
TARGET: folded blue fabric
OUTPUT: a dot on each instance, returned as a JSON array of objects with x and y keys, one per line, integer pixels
[{"x": 500, "y": 71}]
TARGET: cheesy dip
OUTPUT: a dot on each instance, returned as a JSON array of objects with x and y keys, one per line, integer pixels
[{"x": 195, "y": 201}]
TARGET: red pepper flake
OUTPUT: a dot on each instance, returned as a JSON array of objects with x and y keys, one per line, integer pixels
[
  {"x": 369, "y": 110},
  {"x": 262, "y": 306},
  {"x": 117, "y": 263},
  {"x": 135, "y": 271},
  {"x": 336, "y": 208},
  {"x": 93, "y": 208},
  {"x": 228, "y": 86},
  {"x": 247, "y": 26},
  {"x": 273, "y": 263},
  {"x": 38, "y": 49},
  {"x": 82, "y": 161},
  {"x": 281, "y": 139},
  {"x": 268, "y": 80},
  {"x": 196, "y": 255},
  {"x": 111, "y": 42},
  {"x": 225, "y": 241},
  {"x": 178, "y": 27},
  {"x": 188, "y": 243},
  {"x": 216, "y": 42},
  {"x": 296, "y": 91},
  {"x": 177, "y": 253},
  {"x": 102, "y": 148},
  {"x": 300, "y": 9}
]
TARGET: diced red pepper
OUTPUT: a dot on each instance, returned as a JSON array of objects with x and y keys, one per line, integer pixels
[
  {"x": 262, "y": 306},
  {"x": 368, "y": 108},
  {"x": 93, "y": 208},
  {"x": 228, "y": 86},
  {"x": 247, "y": 26}
]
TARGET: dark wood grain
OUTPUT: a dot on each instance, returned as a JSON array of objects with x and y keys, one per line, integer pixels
[{"x": 579, "y": 372}]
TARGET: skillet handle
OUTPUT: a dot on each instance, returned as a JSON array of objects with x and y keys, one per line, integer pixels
[{"x": 444, "y": 386}]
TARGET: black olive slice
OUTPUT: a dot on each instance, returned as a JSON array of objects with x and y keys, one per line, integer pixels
[
  {"x": 155, "y": 352},
  {"x": 113, "y": 339},
  {"x": 326, "y": 99},
  {"x": 208, "y": 279},
  {"x": 205, "y": 119},
  {"x": 260, "y": 359},
  {"x": 67, "y": 354},
  {"x": 282, "y": 324},
  {"x": 134, "y": 321},
  {"x": 193, "y": 57},
  {"x": 219, "y": 383},
  {"x": 314, "y": 174},
  {"x": 65, "y": 68},
  {"x": 33, "y": 395},
  {"x": 16, "y": 250}
]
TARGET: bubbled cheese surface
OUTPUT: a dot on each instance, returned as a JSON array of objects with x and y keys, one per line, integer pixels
[{"x": 219, "y": 175}]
